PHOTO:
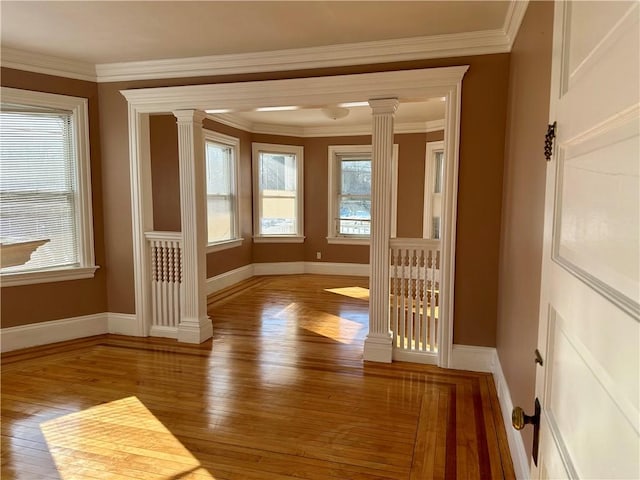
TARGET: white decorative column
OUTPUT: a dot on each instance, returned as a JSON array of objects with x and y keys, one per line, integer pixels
[
  {"x": 195, "y": 325},
  {"x": 378, "y": 344}
]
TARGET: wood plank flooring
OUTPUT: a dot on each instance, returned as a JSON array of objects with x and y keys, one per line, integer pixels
[{"x": 280, "y": 392}]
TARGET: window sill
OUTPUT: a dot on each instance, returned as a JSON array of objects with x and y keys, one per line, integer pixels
[
  {"x": 279, "y": 239},
  {"x": 216, "y": 247},
  {"x": 349, "y": 240},
  {"x": 15, "y": 279}
]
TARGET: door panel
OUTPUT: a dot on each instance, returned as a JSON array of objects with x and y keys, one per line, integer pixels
[{"x": 589, "y": 330}]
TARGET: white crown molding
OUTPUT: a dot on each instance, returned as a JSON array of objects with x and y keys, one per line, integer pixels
[
  {"x": 234, "y": 121},
  {"x": 513, "y": 20},
  {"x": 381, "y": 51},
  {"x": 49, "y": 65},
  {"x": 362, "y": 53}
]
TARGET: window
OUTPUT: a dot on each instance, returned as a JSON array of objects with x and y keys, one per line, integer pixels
[
  {"x": 433, "y": 184},
  {"x": 278, "y": 180},
  {"x": 223, "y": 220},
  {"x": 45, "y": 193},
  {"x": 350, "y": 193}
]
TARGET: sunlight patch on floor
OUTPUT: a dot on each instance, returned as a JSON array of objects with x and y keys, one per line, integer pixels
[
  {"x": 331, "y": 326},
  {"x": 121, "y": 438},
  {"x": 359, "y": 293}
]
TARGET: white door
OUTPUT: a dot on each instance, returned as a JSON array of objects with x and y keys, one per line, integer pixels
[{"x": 589, "y": 333}]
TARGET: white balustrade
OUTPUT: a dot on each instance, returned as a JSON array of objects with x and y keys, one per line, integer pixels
[
  {"x": 165, "y": 251},
  {"x": 414, "y": 285}
]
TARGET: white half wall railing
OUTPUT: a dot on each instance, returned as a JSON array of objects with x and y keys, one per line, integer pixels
[
  {"x": 165, "y": 253},
  {"x": 414, "y": 287}
]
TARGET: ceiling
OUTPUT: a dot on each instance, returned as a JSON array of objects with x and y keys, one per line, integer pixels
[
  {"x": 100, "y": 32},
  {"x": 107, "y": 41},
  {"x": 410, "y": 116}
]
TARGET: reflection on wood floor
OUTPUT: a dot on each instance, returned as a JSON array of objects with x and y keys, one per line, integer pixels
[{"x": 280, "y": 392}]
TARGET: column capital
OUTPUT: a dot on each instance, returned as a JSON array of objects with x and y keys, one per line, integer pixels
[
  {"x": 190, "y": 116},
  {"x": 384, "y": 105}
]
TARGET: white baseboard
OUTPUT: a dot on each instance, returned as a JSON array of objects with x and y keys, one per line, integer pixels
[
  {"x": 35, "y": 334},
  {"x": 165, "y": 332},
  {"x": 331, "y": 268},
  {"x": 516, "y": 445},
  {"x": 404, "y": 356},
  {"x": 122, "y": 324},
  {"x": 476, "y": 359},
  {"x": 278, "y": 268},
  {"x": 226, "y": 279}
]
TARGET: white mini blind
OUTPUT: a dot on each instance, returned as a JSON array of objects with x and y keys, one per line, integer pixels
[{"x": 39, "y": 185}]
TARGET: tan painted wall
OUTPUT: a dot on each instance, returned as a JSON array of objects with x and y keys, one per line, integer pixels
[
  {"x": 484, "y": 95},
  {"x": 27, "y": 304},
  {"x": 523, "y": 200},
  {"x": 165, "y": 173},
  {"x": 166, "y": 198}
]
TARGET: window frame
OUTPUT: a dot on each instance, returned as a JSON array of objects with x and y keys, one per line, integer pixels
[
  {"x": 334, "y": 154},
  {"x": 234, "y": 144},
  {"x": 430, "y": 194},
  {"x": 79, "y": 108},
  {"x": 298, "y": 151}
]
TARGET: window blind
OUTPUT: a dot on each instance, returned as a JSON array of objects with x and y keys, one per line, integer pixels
[{"x": 38, "y": 185}]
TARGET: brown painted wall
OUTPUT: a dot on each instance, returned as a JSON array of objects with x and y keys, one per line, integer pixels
[
  {"x": 165, "y": 173},
  {"x": 27, "y": 304},
  {"x": 166, "y": 198},
  {"x": 523, "y": 200},
  {"x": 411, "y": 164}
]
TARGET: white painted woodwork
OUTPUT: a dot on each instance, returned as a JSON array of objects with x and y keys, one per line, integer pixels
[
  {"x": 463, "y": 43},
  {"x": 377, "y": 345},
  {"x": 165, "y": 252},
  {"x": 195, "y": 325},
  {"x": 589, "y": 332},
  {"x": 414, "y": 278},
  {"x": 307, "y": 92}
]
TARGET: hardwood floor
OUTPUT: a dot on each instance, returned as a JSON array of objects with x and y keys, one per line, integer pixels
[{"x": 280, "y": 392}]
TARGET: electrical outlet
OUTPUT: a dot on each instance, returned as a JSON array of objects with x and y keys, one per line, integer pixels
[{"x": 318, "y": 255}]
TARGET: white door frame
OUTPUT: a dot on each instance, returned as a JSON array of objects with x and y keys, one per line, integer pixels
[{"x": 304, "y": 92}]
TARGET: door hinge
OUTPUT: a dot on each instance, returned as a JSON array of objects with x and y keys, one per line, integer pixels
[
  {"x": 548, "y": 141},
  {"x": 539, "y": 358}
]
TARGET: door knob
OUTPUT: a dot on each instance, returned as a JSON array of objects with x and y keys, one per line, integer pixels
[{"x": 519, "y": 419}]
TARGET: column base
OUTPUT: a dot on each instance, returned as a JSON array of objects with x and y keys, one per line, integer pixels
[
  {"x": 378, "y": 348},
  {"x": 195, "y": 331}
]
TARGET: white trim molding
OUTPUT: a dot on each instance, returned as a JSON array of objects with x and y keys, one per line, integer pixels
[
  {"x": 43, "y": 333},
  {"x": 516, "y": 444},
  {"x": 233, "y": 120},
  {"x": 53, "y": 331},
  {"x": 47, "y": 64},
  {"x": 481, "y": 42},
  {"x": 122, "y": 324},
  {"x": 473, "y": 358},
  {"x": 227, "y": 279},
  {"x": 303, "y": 92}
]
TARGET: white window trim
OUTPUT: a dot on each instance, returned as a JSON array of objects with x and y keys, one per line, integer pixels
[
  {"x": 298, "y": 151},
  {"x": 84, "y": 213},
  {"x": 234, "y": 143},
  {"x": 429, "y": 185},
  {"x": 333, "y": 152}
]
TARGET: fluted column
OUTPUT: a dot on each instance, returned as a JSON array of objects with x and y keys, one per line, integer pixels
[
  {"x": 377, "y": 346},
  {"x": 195, "y": 325}
]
